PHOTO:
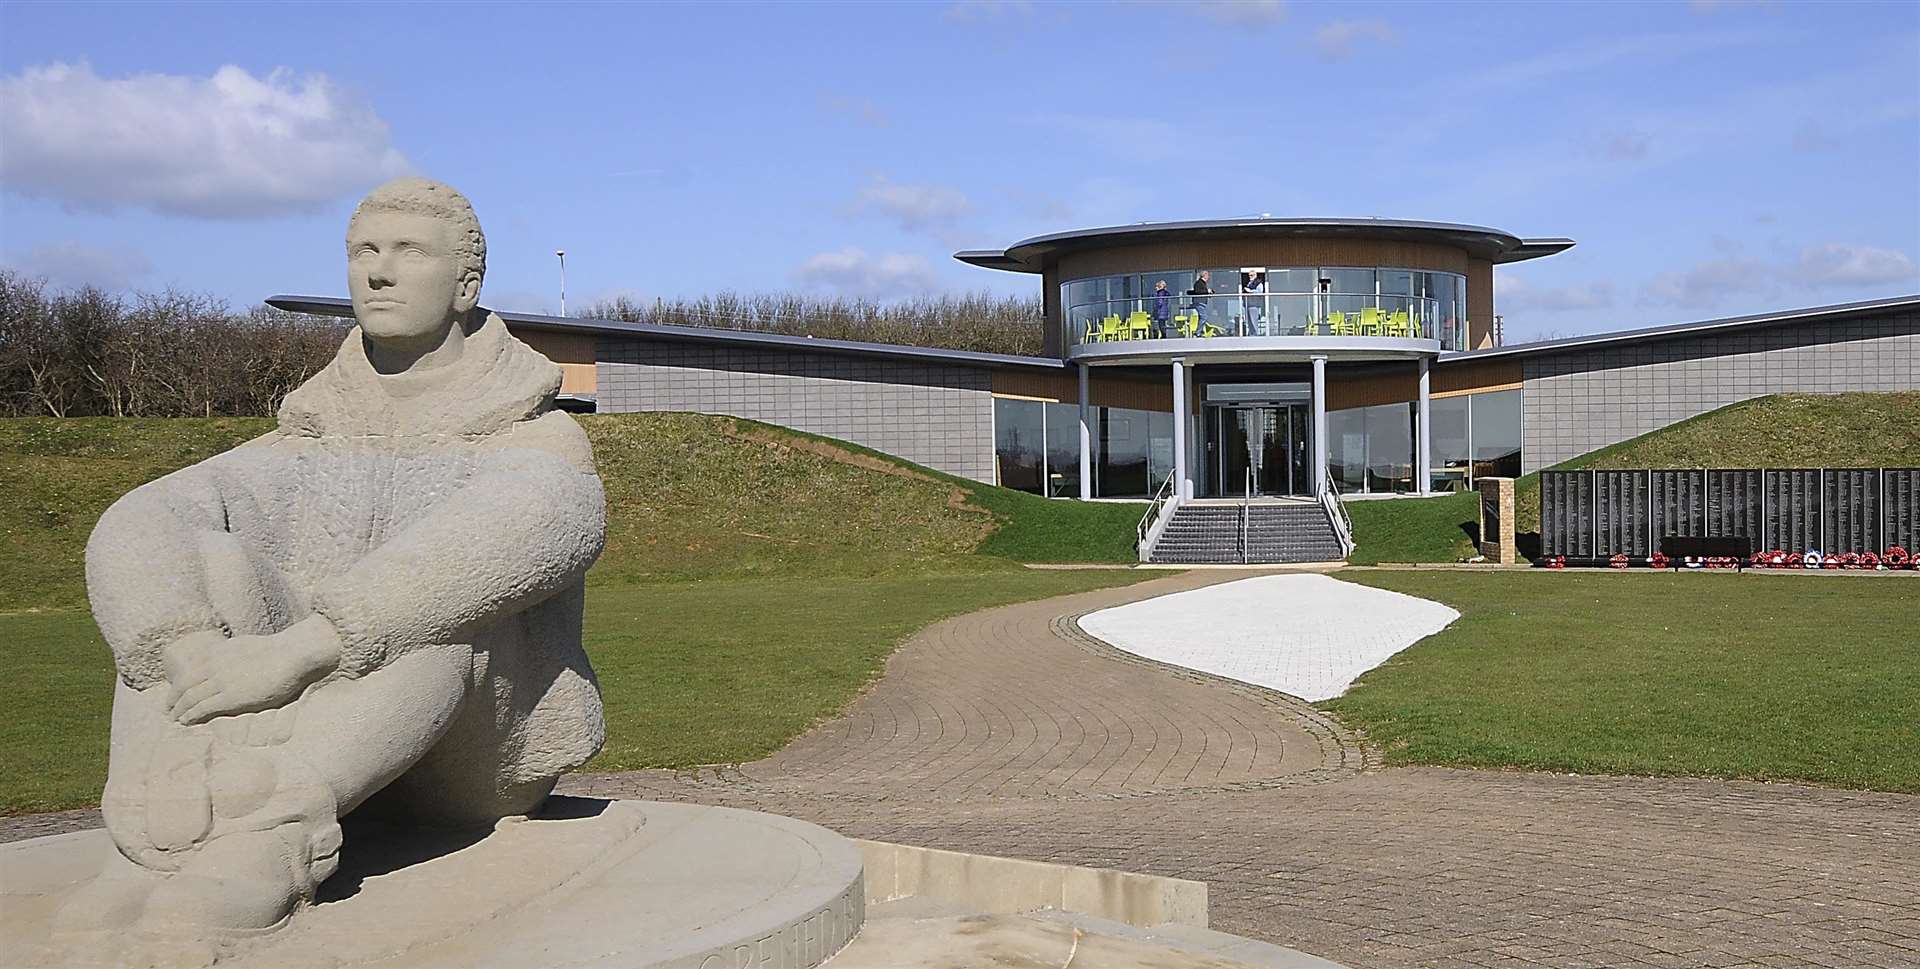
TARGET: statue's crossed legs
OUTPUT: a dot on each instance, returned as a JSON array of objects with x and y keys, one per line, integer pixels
[{"x": 226, "y": 826}]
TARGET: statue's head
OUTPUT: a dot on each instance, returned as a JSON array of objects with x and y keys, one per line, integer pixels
[{"x": 415, "y": 259}]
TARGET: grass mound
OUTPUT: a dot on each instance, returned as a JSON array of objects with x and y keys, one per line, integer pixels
[
  {"x": 754, "y": 579},
  {"x": 1858, "y": 430}
]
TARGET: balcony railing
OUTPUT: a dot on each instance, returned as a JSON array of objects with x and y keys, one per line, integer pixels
[{"x": 1181, "y": 316}]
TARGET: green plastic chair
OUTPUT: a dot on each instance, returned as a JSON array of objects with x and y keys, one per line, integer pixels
[
  {"x": 1340, "y": 324},
  {"x": 1091, "y": 333},
  {"x": 1139, "y": 325},
  {"x": 1370, "y": 323},
  {"x": 1397, "y": 324},
  {"x": 1110, "y": 329}
]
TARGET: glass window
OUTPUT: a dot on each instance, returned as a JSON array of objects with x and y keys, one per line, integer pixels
[
  {"x": 1460, "y": 302},
  {"x": 1449, "y": 443},
  {"x": 1349, "y": 290},
  {"x": 1347, "y": 448},
  {"x": 1283, "y": 301},
  {"x": 1496, "y": 434},
  {"x": 1390, "y": 447},
  {"x": 1444, "y": 310},
  {"x": 1125, "y": 444},
  {"x": 1293, "y": 280},
  {"x": 1159, "y": 448},
  {"x": 1017, "y": 444},
  {"x": 1063, "y": 450}
]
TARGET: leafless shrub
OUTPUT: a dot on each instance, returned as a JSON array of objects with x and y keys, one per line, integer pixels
[
  {"x": 170, "y": 354},
  {"x": 975, "y": 321}
]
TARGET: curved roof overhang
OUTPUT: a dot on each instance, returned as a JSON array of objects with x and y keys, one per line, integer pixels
[{"x": 1036, "y": 254}]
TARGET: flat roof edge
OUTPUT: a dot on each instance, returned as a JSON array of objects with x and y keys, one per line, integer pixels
[
  {"x": 1672, "y": 330},
  {"x": 341, "y": 307}
]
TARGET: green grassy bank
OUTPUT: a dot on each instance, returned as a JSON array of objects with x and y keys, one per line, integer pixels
[
  {"x": 1781, "y": 431},
  {"x": 754, "y": 580}
]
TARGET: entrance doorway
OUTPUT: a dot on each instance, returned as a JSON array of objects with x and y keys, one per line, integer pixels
[{"x": 1257, "y": 449}]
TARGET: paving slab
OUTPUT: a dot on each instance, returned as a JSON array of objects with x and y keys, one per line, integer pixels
[{"x": 1309, "y": 636}]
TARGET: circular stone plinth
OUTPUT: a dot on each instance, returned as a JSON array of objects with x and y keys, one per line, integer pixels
[{"x": 590, "y": 883}]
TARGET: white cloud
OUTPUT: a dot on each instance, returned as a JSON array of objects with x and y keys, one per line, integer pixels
[
  {"x": 1707, "y": 283},
  {"x": 1336, "y": 40},
  {"x": 1512, "y": 293},
  {"x": 1829, "y": 265},
  {"x": 229, "y": 146},
  {"x": 1240, "y": 13},
  {"x": 71, "y": 265},
  {"x": 1839, "y": 264},
  {"x": 852, "y": 272},
  {"x": 914, "y": 207},
  {"x": 862, "y": 111},
  {"x": 1139, "y": 139}
]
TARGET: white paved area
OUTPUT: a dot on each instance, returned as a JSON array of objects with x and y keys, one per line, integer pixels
[{"x": 1307, "y": 635}]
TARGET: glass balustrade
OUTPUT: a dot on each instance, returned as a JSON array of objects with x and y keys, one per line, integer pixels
[
  {"x": 1260, "y": 315},
  {"x": 1273, "y": 302}
]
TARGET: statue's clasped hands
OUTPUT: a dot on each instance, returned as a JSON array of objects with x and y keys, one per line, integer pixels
[{"x": 210, "y": 675}]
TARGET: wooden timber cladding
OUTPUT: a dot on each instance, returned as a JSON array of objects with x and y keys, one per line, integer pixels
[
  {"x": 1106, "y": 390},
  {"x": 1215, "y": 253},
  {"x": 1398, "y": 383},
  {"x": 574, "y": 352}
]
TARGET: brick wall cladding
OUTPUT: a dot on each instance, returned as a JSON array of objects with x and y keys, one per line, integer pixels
[
  {"x": 939, "y": 415},
  {"x": 1583, "y": 400}
]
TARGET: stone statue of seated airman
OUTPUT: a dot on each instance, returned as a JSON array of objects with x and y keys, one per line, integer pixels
[{"x": 376, "y": 607}]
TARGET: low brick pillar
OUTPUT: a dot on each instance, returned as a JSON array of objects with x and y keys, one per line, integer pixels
[{"x": 1496, "y": 520}]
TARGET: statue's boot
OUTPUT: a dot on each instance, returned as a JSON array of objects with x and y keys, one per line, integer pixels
[
  {"x": 111, "y": 902},
  {"x": 244, "y": 883}
]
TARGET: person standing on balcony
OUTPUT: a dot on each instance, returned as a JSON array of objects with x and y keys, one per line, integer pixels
[
  {"x": 1251, "y": 282},
  {"x": 1200, "y": 292},
  {"x": 1162, "y": 309}
]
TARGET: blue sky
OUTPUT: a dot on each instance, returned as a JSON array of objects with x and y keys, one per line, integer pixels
[{"x": 1710, "y": 158}]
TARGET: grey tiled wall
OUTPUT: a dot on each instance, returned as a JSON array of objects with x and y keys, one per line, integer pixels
[
  {"x": 935, "y": 414},
  {"x": 1583, "y": 400}
]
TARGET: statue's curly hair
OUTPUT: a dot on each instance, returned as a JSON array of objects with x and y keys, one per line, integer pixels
[{"x": 424, "y": 196}]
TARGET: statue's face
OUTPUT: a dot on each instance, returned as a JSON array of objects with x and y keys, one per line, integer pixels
[{"x": 405, "y": 279}]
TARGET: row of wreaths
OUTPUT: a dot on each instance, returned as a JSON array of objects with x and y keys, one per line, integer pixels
[{"x": 1894, "y": 558}]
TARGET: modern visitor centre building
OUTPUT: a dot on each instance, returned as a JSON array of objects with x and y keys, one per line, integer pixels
[{"x": 1265, "y": 359}]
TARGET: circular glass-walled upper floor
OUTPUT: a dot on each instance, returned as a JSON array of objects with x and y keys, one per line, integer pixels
[
  {"x": 1256, "y": 301},
  {"x": 1274, "y": 287}
]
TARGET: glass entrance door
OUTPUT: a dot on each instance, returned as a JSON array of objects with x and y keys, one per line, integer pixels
[{"x": 1257, "y": 449}]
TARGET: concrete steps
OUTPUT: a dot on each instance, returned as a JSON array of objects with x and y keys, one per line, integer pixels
[{"x": 1209, "y": 534}]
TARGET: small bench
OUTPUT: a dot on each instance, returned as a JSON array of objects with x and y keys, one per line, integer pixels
[{"x": 1679, "y": 548}]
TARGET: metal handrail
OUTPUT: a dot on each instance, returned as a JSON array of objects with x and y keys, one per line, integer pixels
[
  {"x": 1147, "y": 520},
  {"x": 1337, "y": 514},
  {"x": 1424, "y": 317},
  {"x": 1246, "y": 503}
]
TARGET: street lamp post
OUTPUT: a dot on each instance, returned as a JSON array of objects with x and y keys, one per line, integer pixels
[{"x": 562, "y": 253}]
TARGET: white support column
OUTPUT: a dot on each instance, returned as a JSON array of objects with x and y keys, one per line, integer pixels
[
  {"x": 1180, "y": 486},
  {"x": 1086, "y": 438},
  {"x": 1319, "y": 426},
  {"x": 1423, "y": 439}
]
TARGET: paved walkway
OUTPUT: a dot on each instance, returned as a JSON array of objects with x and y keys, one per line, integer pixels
[
  {"x": 1309, "y": 636},
  {"x": 1010, "y": 732}
]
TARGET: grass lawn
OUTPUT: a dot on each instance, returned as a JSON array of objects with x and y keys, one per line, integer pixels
[
  {"x": 699, "y": 672},
  {"x": 1775, "y": 677},
  {"x": 754, "y": 580}
]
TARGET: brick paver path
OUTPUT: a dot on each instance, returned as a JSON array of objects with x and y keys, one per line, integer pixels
[{"x": 1009, "y": 732}]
